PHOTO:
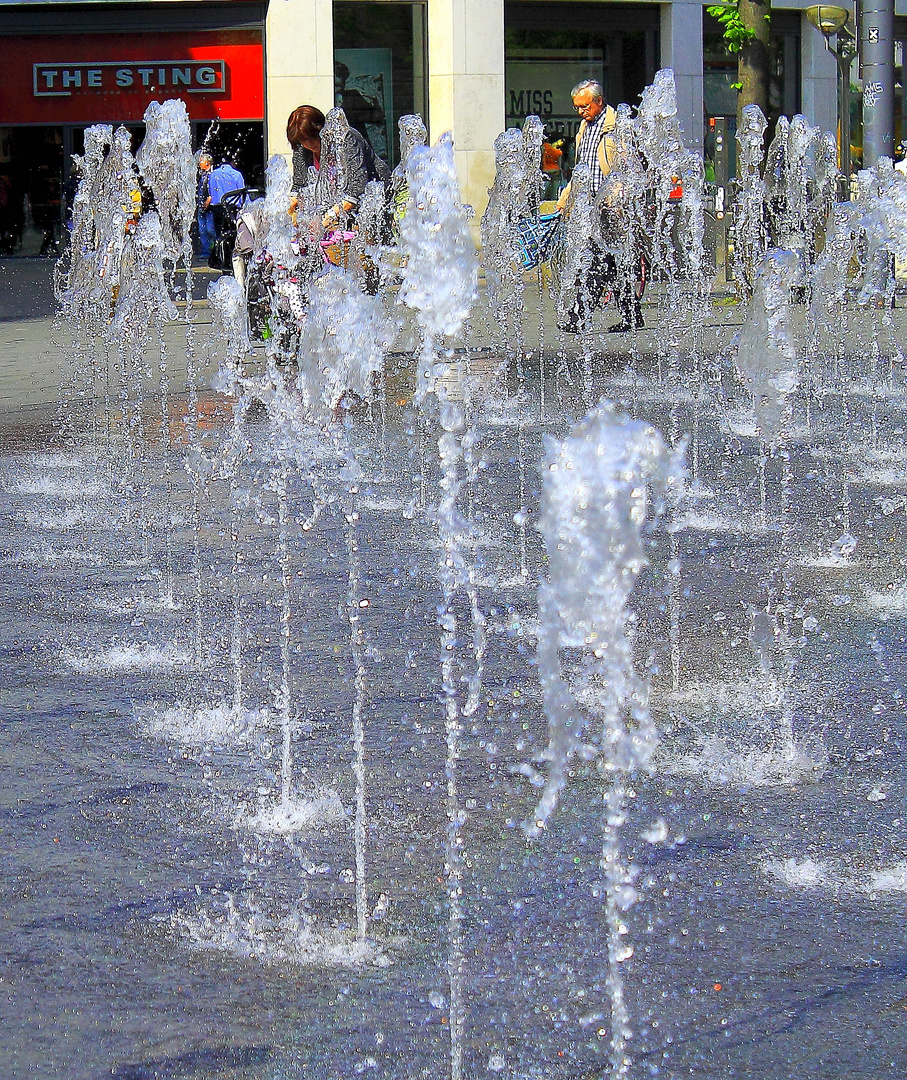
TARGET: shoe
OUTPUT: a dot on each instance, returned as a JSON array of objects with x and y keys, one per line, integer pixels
[
  {"x": 570, "y": 325},
  {"x": 625, "y": 326}
]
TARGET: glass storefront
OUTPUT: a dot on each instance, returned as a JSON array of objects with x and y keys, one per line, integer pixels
[
  {"x": 549, "y": 47},
  {"x": 31, "y": 189},
  {"x": 720, "y": 76},
  {"x": 379, "y": 68}
]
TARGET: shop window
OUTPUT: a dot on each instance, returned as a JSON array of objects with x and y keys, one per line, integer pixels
[
  {"x": 720, "y": 75},
  {"x": 31, "y": 180},
  {"x": 549, "y": 47},
  {"x": 379, "y": 68}
]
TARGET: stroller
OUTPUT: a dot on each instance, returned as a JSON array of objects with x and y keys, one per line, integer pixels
[
  {"x": 275, "y": 297},
  {"x": 232, "y": 203}
]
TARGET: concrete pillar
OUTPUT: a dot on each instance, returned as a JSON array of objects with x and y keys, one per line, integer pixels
[
  {"x": 681, "y": 50},
  {"x": 299, "y": 64},
  {"x": 466, "y": 87},
  {"x": 819, "y": 89}
]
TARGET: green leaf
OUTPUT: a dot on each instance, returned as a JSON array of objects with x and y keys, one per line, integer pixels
[{"x": 735, "y": 34}]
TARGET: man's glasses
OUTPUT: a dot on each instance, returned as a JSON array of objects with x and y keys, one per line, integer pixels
[{"x": 582, "y": 108}]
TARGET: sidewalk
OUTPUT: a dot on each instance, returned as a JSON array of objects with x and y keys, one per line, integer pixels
[
  {"x": 26, "y": 287},
  {"x": 32, "y": 356},
  {"x": 33, "y": 360}
]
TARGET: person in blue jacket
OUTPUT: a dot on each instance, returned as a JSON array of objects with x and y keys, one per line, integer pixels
[{"x": 222, "y": 180}]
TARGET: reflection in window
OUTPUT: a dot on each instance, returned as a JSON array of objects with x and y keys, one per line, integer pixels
[
  {"x": 549, "y": 47},
  {"x": 379, "y": 68}
]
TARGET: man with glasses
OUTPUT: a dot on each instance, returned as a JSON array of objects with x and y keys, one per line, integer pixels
[{"x": 597, "y": 149}]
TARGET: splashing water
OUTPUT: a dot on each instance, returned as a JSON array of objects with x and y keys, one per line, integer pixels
[
  {"x": 596, "y": 512},
  {"x": 750, "y": 236},
  {"x": 599, "y": 483},
  {"x": 439, "y": 279},
  {"x": 168, "y": 168},
  {"x": 342, "y": 344},
  {"x": 439, "y": 283},
  {"x": 514, "y": 197},
  {"x": 766, "y": 350}
]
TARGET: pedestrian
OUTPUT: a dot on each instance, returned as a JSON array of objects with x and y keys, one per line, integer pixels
[
  {"x": 222, "y": 180},
  {"x": 597, "y": 149},
  {"x": 207, "y": 234},
  {"x": 360, "y": 163}
]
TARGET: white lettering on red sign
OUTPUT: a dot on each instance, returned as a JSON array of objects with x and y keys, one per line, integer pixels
[{"x": 193, "y": 76}]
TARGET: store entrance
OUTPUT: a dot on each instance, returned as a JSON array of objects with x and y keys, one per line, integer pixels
[{"x": 31, "y": 186}]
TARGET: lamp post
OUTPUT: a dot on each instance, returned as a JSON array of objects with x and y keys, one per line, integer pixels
[{"x": 831, "y": 22}]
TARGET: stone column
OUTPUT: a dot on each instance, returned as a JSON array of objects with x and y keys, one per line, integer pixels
[
  {"x": 819, "y": 90},
  {"x": 299, "y": 64},
  {"x": 466, "y": 87},
  {"x": 681, "y": 50}
]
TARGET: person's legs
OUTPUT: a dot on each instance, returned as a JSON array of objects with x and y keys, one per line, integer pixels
[
  {"x": 206, "y": 233},
  {"x": 628, "y": 305},
  {"x": 588, "y": 290},
  {"x": 220, "y": 253}
]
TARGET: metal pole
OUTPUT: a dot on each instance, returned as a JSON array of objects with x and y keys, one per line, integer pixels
[
  {"x": 877, "y": 57},
  {"x": 844, "y": 52},
  {"x": 844, "y": 63}
]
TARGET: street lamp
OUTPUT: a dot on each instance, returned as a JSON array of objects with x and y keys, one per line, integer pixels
[{"x": 831, "y": 22}]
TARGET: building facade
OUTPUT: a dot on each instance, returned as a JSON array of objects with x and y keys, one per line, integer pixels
[{"x": 470, "y": 66}]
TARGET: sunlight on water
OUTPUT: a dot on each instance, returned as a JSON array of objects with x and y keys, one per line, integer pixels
[
  {"x": 128, "y": 657},
  {"x": 247, "y": 930}
]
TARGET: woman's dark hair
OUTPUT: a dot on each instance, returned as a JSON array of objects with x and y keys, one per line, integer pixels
[{"x": 305, "y": 122}]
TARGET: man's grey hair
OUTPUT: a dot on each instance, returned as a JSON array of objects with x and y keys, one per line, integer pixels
[{"x": 593, "y": 85}]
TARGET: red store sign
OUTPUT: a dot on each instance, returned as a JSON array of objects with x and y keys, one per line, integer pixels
[{"x": 85, "y": 79}]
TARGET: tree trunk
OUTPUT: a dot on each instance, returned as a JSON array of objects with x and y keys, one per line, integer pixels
[{"x": 753, "y": 65}]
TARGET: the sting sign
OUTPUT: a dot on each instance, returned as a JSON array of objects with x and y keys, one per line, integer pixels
[{"x": 192, "y": 76}]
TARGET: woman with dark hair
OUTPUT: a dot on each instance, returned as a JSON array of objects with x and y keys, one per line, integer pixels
[
  {"x": 304, "y": 135},
  {"x": 360, "y": 163}
]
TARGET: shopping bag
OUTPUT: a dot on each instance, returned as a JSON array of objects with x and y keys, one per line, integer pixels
[
  {"x": 535, "y": 239},
  {"x": 336, "y": 247}
]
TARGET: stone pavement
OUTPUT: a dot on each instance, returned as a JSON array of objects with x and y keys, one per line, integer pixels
[
  {"x": 31, "y": 356},
  {"x": 32, "y": 359}
]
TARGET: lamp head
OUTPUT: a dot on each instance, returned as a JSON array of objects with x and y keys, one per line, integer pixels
[{"x": 828, "y": 18}]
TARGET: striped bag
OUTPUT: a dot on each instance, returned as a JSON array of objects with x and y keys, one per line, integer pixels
[{"x": 535, "y": 238}]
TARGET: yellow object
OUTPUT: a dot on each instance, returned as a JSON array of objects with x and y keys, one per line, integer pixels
[{"x": 338, "y": 253}]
